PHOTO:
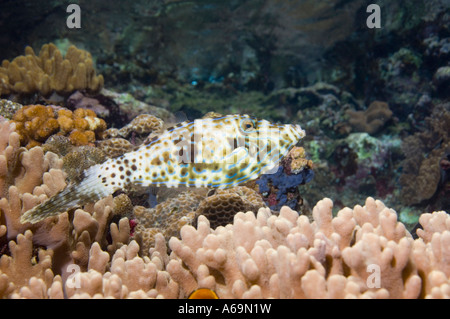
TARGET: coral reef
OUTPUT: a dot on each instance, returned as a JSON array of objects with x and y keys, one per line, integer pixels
[
  {"x": 281, "y": 188},
  {"x": 131, "y": 107},
  {"x": 49, "y": 72},
  {"x": 143, "y": 124},
  {"x": 374, "y": 103},
  {"x": 36, "y": 123},
  {"x": 221, "y": 206},
  {"x": 254, "y": 253},
  {"x": 170, "y": 215},
  {"x": 8, "y": 108},
  {"x": 40, "y": 253},
  {"x": 371, "y": 120},
  {"x": 257, "y": 256},
  {"x": 423, "y": 152},
  {"x": 166, "y": 218},
  {"x": 80, "y": 158},
  {"x": 116, "y": 146}
]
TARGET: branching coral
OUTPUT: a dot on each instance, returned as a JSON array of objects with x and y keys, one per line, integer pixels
[
  {"x": 37, "y": 252},
  {"x": 286, "y": 256},
  {"x": 49, "y": 72}
]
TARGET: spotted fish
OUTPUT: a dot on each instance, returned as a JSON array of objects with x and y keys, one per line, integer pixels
[{"x": 219, "y": 152}]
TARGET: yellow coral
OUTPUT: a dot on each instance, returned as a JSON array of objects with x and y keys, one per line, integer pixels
[
  {"x": 115, "y": 147},
  {"x": 297, "y": 159},
  {"x": 36, "y": 123},
  {"x": 49, "y": 72}
]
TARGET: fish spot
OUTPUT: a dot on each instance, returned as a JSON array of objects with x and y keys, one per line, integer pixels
[
  {"x": 133, "y": 167},
  {"x": 156, "y": 161}
]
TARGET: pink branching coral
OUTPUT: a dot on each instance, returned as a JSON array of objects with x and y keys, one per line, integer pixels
[
  {"x": 35, "y": 257},
  {"x": 286, "y": 256}
]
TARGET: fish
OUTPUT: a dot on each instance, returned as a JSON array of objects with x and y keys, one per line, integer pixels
[
  {"x": 216, "y": 151},
  {"x": 203, "y": 293}
]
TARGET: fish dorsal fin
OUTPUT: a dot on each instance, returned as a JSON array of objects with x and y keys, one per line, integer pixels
[{"x": 180, "y": 116}]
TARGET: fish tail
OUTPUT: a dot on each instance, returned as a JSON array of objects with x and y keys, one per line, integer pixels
[{"x": 89, "y": 189}]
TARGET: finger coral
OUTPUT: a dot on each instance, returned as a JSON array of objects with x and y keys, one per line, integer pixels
[
  {"x": 37, "y": 255},
  {"x": 49, "y": 72},
  {"x": 360, "y": 253}
]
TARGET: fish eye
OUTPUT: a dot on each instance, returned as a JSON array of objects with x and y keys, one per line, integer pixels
[{"x": 247, "y": 125}]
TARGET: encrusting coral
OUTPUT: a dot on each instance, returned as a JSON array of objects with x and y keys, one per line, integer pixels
[
  {"x": 423, "y": 152},
  {"x": 49, "y": 72},
  {"x": 8, "y": 108},
  {"x": 166, "y": 218},
  {"x": 169, "y": 216},
  {"x": 281, "y": 187},
  {"x": 371, "y": 120},
  {"x": 221, "y": 206}
]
